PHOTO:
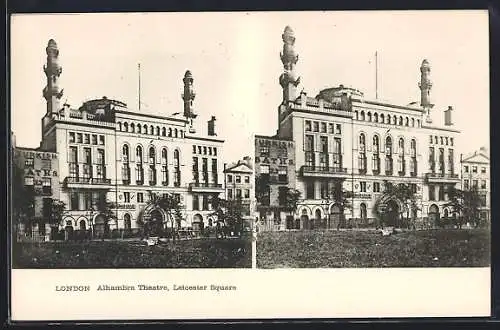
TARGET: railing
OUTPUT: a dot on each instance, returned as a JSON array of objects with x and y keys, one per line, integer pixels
[
  {"x": 441, "y": 175},
  {"x": 205, "y": 185},
  {"x": 87, "y": 180},
  {"x": 321, "y": 169}
]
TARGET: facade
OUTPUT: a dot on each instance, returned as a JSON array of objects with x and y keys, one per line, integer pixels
[
  {"x": 344, "y": 141},
  {"x": 41, "y": 178},
  {"x": 275, "y": 174},
  {"x": 107, "y": 152},
  {"x": 239, "y": 183},
  {"x": 475, "y": 170}
]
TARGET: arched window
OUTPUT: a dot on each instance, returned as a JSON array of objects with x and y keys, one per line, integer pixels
[
  {"x": 407, "y": 122},
  {"x": 177, "y": 172},
  {"x": 401, "y": 161},
  {"x": 181, "y": 134},
  {"x": 176, "y": 158},
  {"x": 382, "y": 118},
  {"x": 157, "y": 130},
  {"x": 138, "y": 128},
  {"x": 138, "y": 154},
  {"x": 164, "y": 156},
  {"x": 388, "y": 119},
  {"x": 362, "y": 211},
  {"x": 400, "y": 120},
  {"x": 125, "y": 154},
  {"x": 125, "y": 127},
  {"x": 375, "y": 117},
  {"x": 362, "y": 141},
  {"x": 413, "y": 148},
  {"x": 362, "y": 154},
  {"x": 83, "y": 225},
  {"x": 388, "y": 146},
  {"x": 413, "y": 122},
  {"x": 369, "y": 116},
  {"x": 132, "y": 128},
  {"x": 151, "y": 130},
  {"x": 164, "y": 167},
  {"x": 170, "y": 131},
  {"x": 163, "y": 131},
  {"x": 388, "y": 156},
  {"x": 119, "y": 126},
  {"x": 376, "y": 144},
  {"x": 362, "y": 115},
  {"x": 152, "y": 155},
  {"x": 394, "y": 120},
  {"x": 356, "y": 114},
  {"x": 401, "y": 146},
  {"x": 413, "y": 160},
  {"x": 418, "y": 122},
  {"x": 145, "y": 128},
  {"x": 176, "y": 133},
  {"x": 127, "y": 224}
]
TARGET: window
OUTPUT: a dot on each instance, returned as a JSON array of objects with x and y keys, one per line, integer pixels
[
  {"x": 74, "y": 203},
  {"x": 230, "y": 193},
  {"x": 483, "y": 184},
  {"x": 29, "y": 181},
  {"x": 282, "y": 174},
  {"x": 196, "y": 202},
  {"x": 139, "y": 128},
  {"x": 29, "y": 162},
  {"x": 138, "y": 154},
  {"x": 282, "y": 192},
  {"x": 204, "y": 150},
  {"x": 310, "y": 190},
  {"x": 376, "y": 187},
  {"x": 140, "y": 198},
  {"x": 466, "y": 169},
  {"x": 441, "y": 192},
  {"x": 446, "y": 140},
  {"x": 338, "y": 129},
  {"x": 194, "y": 149},
  {"x": 238, "y": 193},
  {"x": 483, "y": 170},
  {"x": 474, "y": 183},
  {"x": 126, "y": 197},
  {"x": 238, "y": 179},
  {"x": 451, "y": 142},
  {"x": 152, "y": 156},
  {"x": 466, "y": 184},
  {"x": 101, "y": 140},
  {"x": 474, "y": 169},
  {"x": 309, "y": 143},
  {"x": 264, "y": 169},
  {"x": 264, "y": 151},
  {"x": 86, "y": 139},
  {"x": 247, "y": 179},
  {"x": 331, "y": 128},
  {"x": 94, "y": 139},
  {"x": 247, "y": 193},
  {"x": 316, "y": 126},
  {"x": 100, "y": 156},
  {"x": 230, "y": 178},
  {"x": 71, "y": 137},
  {"x": 323, "y": 127},
  {"x": 308, "y": 126},
  {"x": 432, "y": 193},
  {"x": 79, "y": 137},
  {"x": 215, "y": 151},
  {"x": 362, "y": 186},
  {"x": 210, "y": 151}
]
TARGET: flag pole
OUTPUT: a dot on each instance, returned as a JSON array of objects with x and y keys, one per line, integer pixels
[
  {"x": 139, "y": 73},
  {"x": 376, "y": 75}
]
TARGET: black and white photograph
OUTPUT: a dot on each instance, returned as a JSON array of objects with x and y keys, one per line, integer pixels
[
  {"x": 122, "y": 145},
  {"x": 376, "y": 154},
  {"x": 186, "y": 165}
]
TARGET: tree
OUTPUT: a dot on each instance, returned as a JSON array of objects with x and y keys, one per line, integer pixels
[
  {"x": 53, "y": 213},
  {"x": 230, "y": 212},
  {"x": 292, "y": 198},
  {"x": 171, "y": 205},
  {"x": 406, "y": 196},
  {"x": 342, "y": 198},
  {"x": 262, "y": 189},
  {"x": 465, "y": 205}
]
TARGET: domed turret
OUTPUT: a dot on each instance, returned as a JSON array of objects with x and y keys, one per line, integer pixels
[
  {"x": 425, "y": 85},
  {"x": 188, "y": 95},
  {"x": 289, "y": 80}
]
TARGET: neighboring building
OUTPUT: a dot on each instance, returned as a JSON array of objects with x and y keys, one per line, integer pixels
[
  {"x": 41, "y": 177},
  {"x": 107, "y": 152},
  {"x": 476, "y": 173},
  {"x": 239, "y": 183},
  {"x": 275, "y": 174},
  {"x": 346, "y": 141}
]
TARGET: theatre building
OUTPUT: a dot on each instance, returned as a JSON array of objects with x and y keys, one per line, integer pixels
[
  {"x": 109, "y": 153},
  {"x": 345, "y": 141}
]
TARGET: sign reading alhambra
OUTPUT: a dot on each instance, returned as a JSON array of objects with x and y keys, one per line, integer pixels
[{"x": 180, "y": 168}]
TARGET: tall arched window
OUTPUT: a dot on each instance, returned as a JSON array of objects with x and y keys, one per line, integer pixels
[
  {"x": 375, "y": 117},
  {"x": 362, "y": 154},
  {"x": 164, "y": 167},
  {"x": 125, "y": 165},
  {"x": 388, "y": 156},
  {"x": 177, "y": 170},
  {"x": 158, "y": 130},
  {"x": 369, "y": 116},
  {"x": 125, "y": 127},
  {"x": 413, "y": 161},
  {"x": 163, "y": 131},
  {"x": 151, "y": 130},
  {"x": 138, "y": 128},
  {"x": 376, "y": 155},
  {"x": 139, "y": 171},
  {"x": 132, "y": 128},
  {"x": 362, "y": 115},
  {"x": 138, "y": 154},
  {"x": 401, "y": 157},
  {"x": 127, "y": 224},
  {"x": 152, "y": 169}
]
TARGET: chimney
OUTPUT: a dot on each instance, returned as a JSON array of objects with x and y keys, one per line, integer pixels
[
  {"x": 447, "y": 116},
  {"x": 211, "y": 127},
  {"x": 303, "y": 98}
]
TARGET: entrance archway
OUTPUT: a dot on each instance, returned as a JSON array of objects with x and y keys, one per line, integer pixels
[
  {"x": 197, "y": 222},
  {"x": 434, "y": 214},
  {"x": 316, "y": 222},
  {"x": 83, "y": 225}
]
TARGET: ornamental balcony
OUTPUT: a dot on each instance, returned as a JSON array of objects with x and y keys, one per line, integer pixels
[
  {"x": 79, "y": 182},
  {"x": 441, "y": 177},
  {"x": 205, "y": 187},
  {"x": 321, "y": 171}
]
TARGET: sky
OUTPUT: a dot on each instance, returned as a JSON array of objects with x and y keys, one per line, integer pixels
[{"x": 235, "y": 61}]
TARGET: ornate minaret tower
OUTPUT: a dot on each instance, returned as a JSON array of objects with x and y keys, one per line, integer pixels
[
  {"x": 188, "y": 97},
  {"x": 425, "y": 86},
  {"x": 53, "y": 70},
  {"x": 288, "y": 79}
]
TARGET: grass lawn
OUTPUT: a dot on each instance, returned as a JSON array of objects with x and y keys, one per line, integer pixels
[
  {"x": 199, "y": 253},
  {"x": 329, "y": 249}
]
